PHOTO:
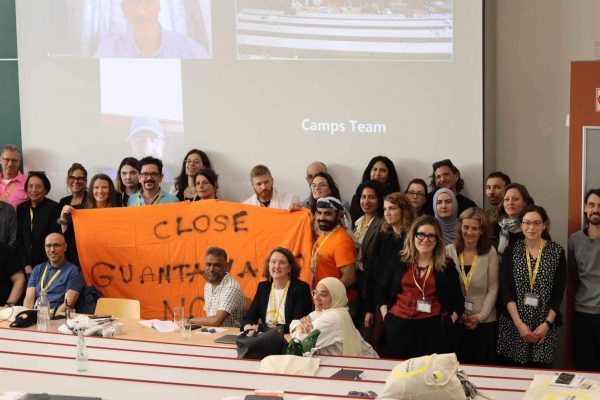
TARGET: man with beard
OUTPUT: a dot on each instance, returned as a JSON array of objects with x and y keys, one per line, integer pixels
[
  {"x": 61, "y": 279},
  {"x": 146, "y": 38},
  {"x": 223, "y": 296},
  {"x": 584, "y": 260},
  {"x": 494, "y": 188},
  {"x": 264, "y": 193},
  {"x": 446, "y": 175},
  {"x": 333, "y": 254},
  {"x": 150, "y": 177}
]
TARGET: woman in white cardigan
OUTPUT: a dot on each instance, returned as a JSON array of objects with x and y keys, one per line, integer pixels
[
  {"x": 338, "y": 336},
  {"x": 477, "y": 264}
]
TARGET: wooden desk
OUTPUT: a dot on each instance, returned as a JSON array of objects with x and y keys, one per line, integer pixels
[{"x": 162, "y": 365}]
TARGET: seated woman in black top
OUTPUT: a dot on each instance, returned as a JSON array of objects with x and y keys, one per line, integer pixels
[
  {"x": 282, "y": 298},
  {"x": 380, "y": 169}
]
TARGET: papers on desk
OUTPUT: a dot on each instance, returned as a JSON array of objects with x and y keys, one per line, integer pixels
[
  {"x": 542, "y": 388},
  {"x": 161, "y": 326}
]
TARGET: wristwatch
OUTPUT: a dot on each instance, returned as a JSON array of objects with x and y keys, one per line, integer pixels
[
  {"x": 10, "y": 304},
  {"x": 549, "y": 323},
  {"x": 61, "y": 222}
]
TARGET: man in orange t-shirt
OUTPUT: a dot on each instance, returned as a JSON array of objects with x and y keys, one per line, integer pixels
[{"x": 334, "y": 253}]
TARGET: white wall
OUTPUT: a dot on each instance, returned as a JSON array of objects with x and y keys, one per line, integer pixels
[{"x": 535, "y": 42}]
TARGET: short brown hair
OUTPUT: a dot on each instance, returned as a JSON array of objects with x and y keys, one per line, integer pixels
[
  {"x": 484, "y": 243},
  {"x": 259, "y": 170}
]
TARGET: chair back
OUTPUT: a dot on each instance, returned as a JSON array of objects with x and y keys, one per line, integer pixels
[{"x": 122, "y": 308}]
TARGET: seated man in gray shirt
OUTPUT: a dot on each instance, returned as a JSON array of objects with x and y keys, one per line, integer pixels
[
  {"x": 584, "y": 260},
  {"x": 223, "y": 296}
]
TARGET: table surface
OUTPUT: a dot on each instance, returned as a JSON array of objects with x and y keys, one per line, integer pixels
[{"x": 164, "y": 365}]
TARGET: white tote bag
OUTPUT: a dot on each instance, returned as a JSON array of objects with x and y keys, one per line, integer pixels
[{"x": 425, "y": 378}]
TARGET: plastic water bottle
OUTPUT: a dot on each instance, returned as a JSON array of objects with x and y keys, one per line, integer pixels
[
  {"x": 43, "y": 312},
  {"x": 82, "y": 356}
]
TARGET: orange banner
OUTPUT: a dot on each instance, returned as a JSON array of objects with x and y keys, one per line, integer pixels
[{"x": 156, "y": 253}]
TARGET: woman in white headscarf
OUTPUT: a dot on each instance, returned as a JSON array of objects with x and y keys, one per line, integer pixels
[
  {"x": 445, "y": 208},
  {"x": 338, "y": 336}
]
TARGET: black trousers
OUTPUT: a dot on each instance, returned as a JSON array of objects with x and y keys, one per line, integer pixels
[
  {"x": 477, "y": 346},
  {"x": 586, "y": 341},
  {"x": 407, "y": 338}
]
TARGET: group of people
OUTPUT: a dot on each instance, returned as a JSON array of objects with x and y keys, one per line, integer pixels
[{"x": 397, "y": 273}]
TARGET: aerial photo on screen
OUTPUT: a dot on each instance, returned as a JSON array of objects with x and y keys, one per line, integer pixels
[{"x": 345, "y": 29}]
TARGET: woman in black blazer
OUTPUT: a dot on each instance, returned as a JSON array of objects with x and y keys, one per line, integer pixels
[{"x": 282, "y": 298}]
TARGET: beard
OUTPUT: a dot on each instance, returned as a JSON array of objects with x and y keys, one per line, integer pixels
[
  {"x": 214, "y": 277},
  {"x": 326, "y": 226},
  {"x": 594, "y": 219}
]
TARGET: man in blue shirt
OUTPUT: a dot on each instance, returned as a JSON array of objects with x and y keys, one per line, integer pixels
[
  {"x": 61, "y": 279},
  {"x": 150, "y": 177}
]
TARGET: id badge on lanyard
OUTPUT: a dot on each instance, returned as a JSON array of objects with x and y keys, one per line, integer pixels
[
  {"x": 424, "y": 306},
  {"x": 468, "y": 305},
  {"x": 532, "y": 299}
]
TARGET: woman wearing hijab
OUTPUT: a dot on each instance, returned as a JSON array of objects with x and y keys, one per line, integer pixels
[
  {"x": 445, "y": 208},
  {"x": 337, "y": 336}
]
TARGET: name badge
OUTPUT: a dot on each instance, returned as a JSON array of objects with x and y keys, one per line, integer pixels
[
  {"x": 468, "y": 305},
  {"x": 532, "y": 299},
  {"x": 424, "y": 306}
]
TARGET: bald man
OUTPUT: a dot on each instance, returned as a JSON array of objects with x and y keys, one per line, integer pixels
[{"x": 61, "y": 279}]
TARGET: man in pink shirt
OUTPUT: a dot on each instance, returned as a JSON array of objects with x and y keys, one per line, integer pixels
[{"x": 12, "y": 187}]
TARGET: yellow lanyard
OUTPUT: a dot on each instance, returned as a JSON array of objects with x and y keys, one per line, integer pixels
[
  {"x": 317, "y": 247},
  {"x": 276, "y": 307},
  {"x": 466, "y": 278},
  {"x": 31, "y": 218},
  {"x": 51, "y": 279},
  {"x": 422, "y": 289},
  {"x": 533, "y": 274},
  {"x": 155, "y": 201},
  {"x": 9, "y": 188}
]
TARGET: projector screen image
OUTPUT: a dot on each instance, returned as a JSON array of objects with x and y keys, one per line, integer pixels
[
  {"x": 344, "y": 29},
  {"x": 338, "y": 107},
  {"x": 140, "y": 28}
]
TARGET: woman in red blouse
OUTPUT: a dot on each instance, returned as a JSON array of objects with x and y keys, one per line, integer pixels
[{"x": 421, "y": 296}]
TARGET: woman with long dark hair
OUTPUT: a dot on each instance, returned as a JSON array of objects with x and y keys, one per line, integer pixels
[
  {"x": 184, "y": 187},
  {"x": 381, "y": 169},
  {"x": 128, "y": 180}
]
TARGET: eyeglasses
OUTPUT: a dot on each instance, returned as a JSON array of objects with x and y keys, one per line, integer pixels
[
  {"x": 149, "y": 174},
  {"x": 77, "y": 178},
  {"x": 321, "y": 295},
  {"x": 431, "y": 237},
  {"x": 415, "y": 194},
  {"x": 53, "y": 245},
  {"x": 318, "y": 185},
  {"x": 535, "y": 224}
]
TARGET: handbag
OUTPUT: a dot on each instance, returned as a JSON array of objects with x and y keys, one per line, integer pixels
[{"x": 257, "y": 345}]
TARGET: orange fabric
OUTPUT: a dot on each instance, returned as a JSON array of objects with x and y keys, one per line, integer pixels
[
  {"x": 337, "y": 251},
  {"x": 155, "y": 254}
]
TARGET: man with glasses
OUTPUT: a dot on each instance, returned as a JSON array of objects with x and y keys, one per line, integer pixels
[
  {"x": 584, "y": 260},
  {"x": 311, "y": 170},
  {"x": 12, "y": 187},
  {"x": 150, "y": 177},
  {"x": 61, "y": 279},
  {"x": 223, "y": 296},
  {"x": 146, "y": 38},
  {"x": 334, "y": 253}
]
